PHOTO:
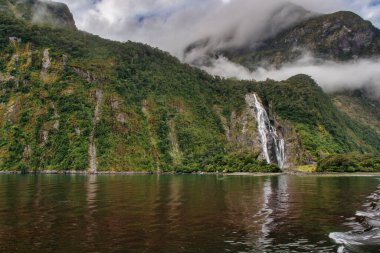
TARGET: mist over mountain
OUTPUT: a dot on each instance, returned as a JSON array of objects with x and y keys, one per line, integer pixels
[{"x": 340, "y": 51}]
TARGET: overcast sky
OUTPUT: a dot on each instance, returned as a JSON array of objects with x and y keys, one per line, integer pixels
[{"x": 172, "y": 24}]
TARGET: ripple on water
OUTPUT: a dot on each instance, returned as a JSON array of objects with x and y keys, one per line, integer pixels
[
  {"x": 365, "y": 228},
  {"x": 185, "y": 213}
]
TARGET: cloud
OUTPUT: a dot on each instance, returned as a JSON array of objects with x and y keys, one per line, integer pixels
[
  {"x": 331, "y": 76},
  {"x": 173, "y": 24},
  {"x": 187, "y": 20}
]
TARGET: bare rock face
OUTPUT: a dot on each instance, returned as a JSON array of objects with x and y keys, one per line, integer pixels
[
  {"x": 46, "y": 60},
  {"x": 27, "y": 152},
  {"x": 121, "y": 118},
  {"x": 14, "y": 40},
  {"x": 241, "y": 131},
  {"x": 55, "y": 14},
  {"x": 295, "y": 152},
  {"x": 338, "y": 36},
  {"x": 85, "y": 74},
  {"x": 44, "y": 136}
]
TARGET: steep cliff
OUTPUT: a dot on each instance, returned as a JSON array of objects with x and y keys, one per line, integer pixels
[
  {"x": 73, "y": 101},
  {"x": 339, "y": 36}
]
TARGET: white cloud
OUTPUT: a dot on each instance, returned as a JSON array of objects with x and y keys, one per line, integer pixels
[{"x": 331, "y": 76}]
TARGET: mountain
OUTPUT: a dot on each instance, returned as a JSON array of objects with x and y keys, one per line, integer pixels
[
  {"x": 70, "y": 100},
  {"x": 357, "y": 105},
  {"x": 339, "y": 36},
  {"x": 48, "y": 13},
  {"x": 229, "y": 43}
]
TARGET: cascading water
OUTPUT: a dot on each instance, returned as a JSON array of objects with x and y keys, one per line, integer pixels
[
  {"x": 279, "y": 146},
  {"x": 270, "y": 140}
]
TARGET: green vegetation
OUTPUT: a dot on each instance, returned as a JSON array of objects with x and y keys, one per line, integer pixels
[
  {"x": 155, "y": 114},
  {"x": 323, "y": 128},
  {"x": 359, "y": 106},
  {"x": 352, "y": 162}
]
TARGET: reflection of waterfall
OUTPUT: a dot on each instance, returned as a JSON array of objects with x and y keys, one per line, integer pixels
[
  {"x": 265, "y": 212},
  {"x": 365, "y": 236},
  {"x": 270, "y": 141},
  {"x": 275, "y": 205},
  {"x": 175, "y": 202},
  {"x": 92, "y": 189},
  {"x": 283, "y": 195}
]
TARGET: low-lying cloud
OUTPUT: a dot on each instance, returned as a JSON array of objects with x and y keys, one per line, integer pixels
[
  {"x": 172, "y": 24},
  {"x": 331, "y": 76}
]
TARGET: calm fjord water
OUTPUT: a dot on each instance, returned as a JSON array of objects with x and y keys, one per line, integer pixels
[{"x": 177, "y": 213}]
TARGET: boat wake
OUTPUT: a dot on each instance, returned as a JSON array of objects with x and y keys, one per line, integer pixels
[{"x": 365, "y": 237}]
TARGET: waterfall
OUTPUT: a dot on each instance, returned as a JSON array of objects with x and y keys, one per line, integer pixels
[
  {"x": 279, "y": 146},
  {"x": 270, "y": 141}
]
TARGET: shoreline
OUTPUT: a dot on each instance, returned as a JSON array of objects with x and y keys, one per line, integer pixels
[{"x": 104, "y": 173}]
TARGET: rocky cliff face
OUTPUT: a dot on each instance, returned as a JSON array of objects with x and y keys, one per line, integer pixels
[
  {"x": 242, "y": 133},
  {"x": 338, "y": 36},
  {"x": 55, "y": 14}
]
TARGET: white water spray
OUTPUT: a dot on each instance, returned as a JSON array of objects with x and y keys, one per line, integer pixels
[{"x": 268, "y": 134}]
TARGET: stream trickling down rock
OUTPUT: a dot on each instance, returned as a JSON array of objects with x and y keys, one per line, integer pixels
[{"x": 92, "y": 145}]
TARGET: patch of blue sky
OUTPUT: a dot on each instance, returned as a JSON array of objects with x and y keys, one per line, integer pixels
[
  {"x": 166, "y": 12},
  {"x": 374, "y": 3}
]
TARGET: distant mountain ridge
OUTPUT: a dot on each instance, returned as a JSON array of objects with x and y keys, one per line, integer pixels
[{"x": 339, "y": 36}]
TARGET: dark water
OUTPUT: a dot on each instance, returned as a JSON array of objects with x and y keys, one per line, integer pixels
[{"x": 184, "y": 213}]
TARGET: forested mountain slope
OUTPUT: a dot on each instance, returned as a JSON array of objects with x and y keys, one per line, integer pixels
[{"x": 70, "y": 100}]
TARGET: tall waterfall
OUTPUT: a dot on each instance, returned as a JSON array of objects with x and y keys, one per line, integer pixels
[{"x": 273, "y": 146}]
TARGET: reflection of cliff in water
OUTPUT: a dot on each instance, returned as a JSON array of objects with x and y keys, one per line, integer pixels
[{"x": 91, "y": 195}]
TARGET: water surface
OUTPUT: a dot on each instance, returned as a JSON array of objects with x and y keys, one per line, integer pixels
[{"x": 178, "y": 213}]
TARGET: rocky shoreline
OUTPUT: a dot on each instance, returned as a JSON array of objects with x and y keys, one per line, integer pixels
[{"x": 288, "y": 172}]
